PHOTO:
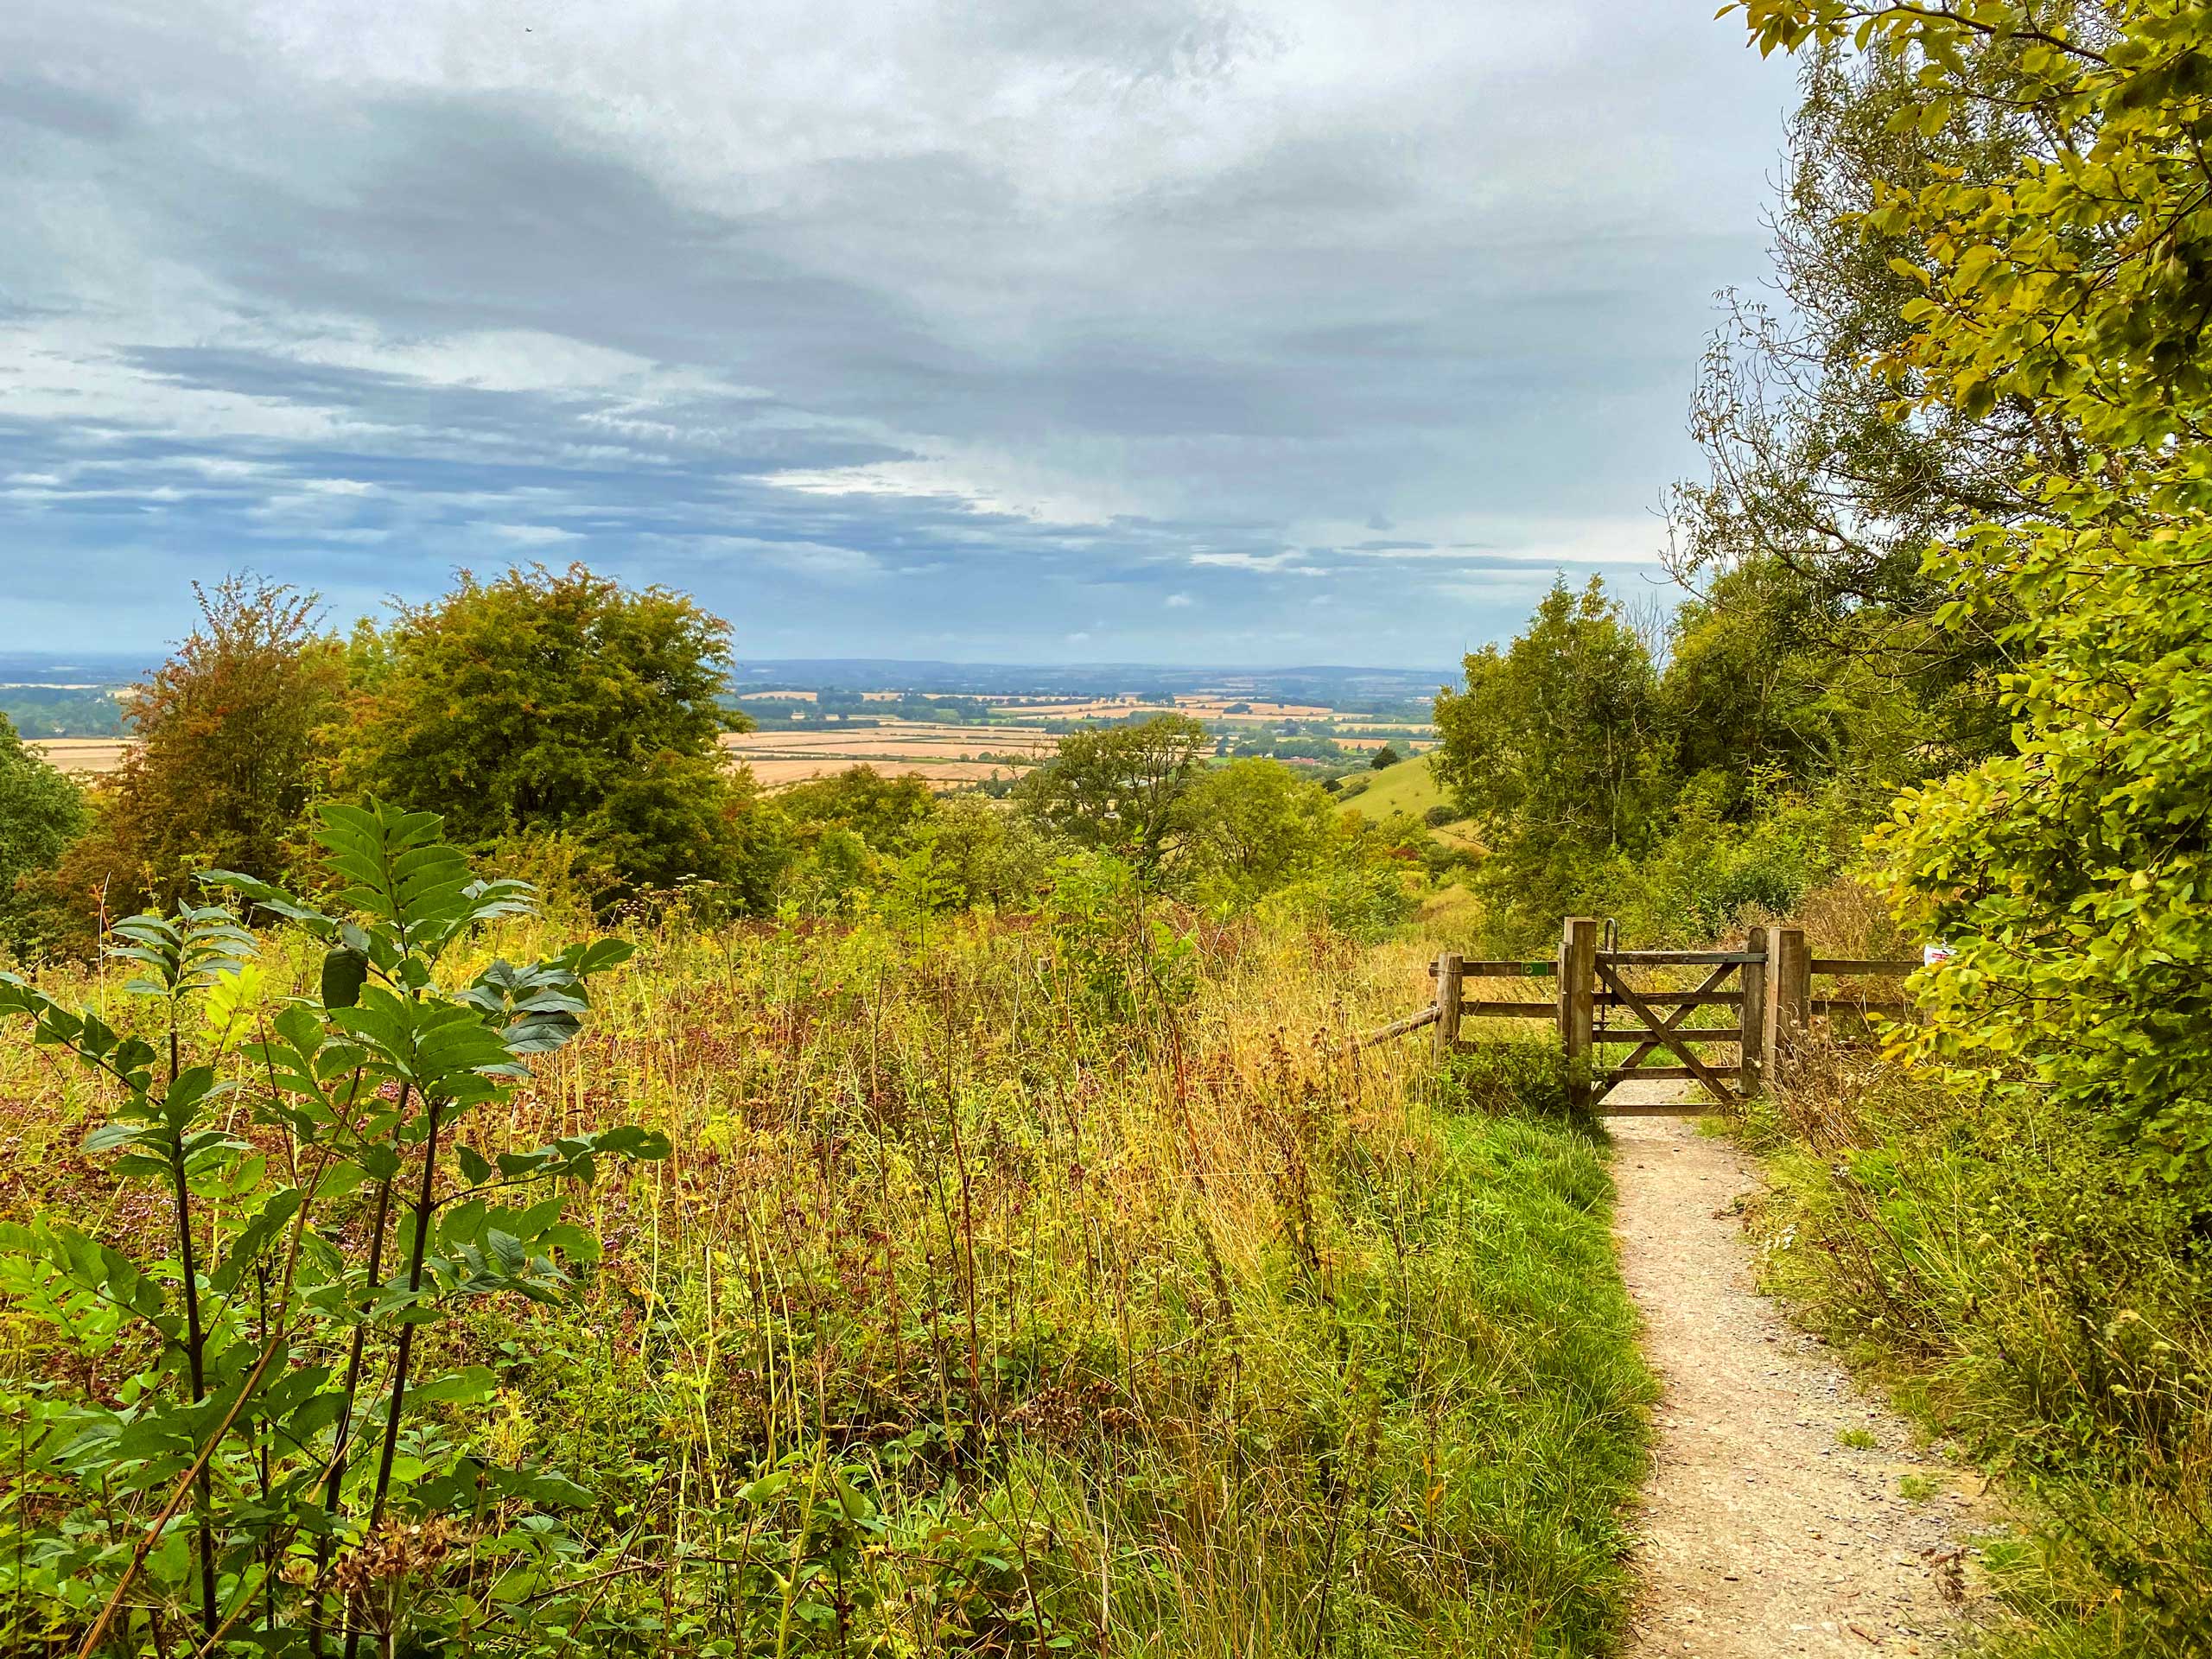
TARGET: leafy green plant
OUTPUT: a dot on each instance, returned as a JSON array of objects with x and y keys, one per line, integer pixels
[
  {"x": 268, "y": 1472},
  {"x": 2068, "y": 871},
  {"x": 41, "y": 812},
  {"x": 1110, "y": 933},
  {"x": 1527, "y": 1078}
]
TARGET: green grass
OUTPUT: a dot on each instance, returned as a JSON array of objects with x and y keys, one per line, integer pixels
[
  {"x": 1115, "y": 1309},
  {"x": 1999, "y": 1264},
  {"x": 1409, "y": 787}
]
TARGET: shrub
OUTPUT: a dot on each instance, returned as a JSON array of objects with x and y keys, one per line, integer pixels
[
  {"x": 41, "y": 813},
  {"x": 1501, "y": 1078}
]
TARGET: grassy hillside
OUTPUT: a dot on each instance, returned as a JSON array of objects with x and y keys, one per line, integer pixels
[
  {"x": 1046, "y": 1285},
  {"x": 1409, "y": 787}
]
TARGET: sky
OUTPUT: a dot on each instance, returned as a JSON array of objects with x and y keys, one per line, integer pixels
[{"x": 1167, "y": 331}]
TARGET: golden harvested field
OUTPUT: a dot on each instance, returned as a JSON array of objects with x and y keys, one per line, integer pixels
[
  {"x": 1201, "y": 708},
  {"x": 920, "y": 738},
  {"x": 816, "y": 696},
  {"x": 781, "y": 771},
  {"x": 941, "y": 754},
  {"x": 84, "y": 756}
]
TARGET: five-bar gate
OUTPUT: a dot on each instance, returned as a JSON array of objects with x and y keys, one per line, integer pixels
[{"x": 1725, "y": 1032}]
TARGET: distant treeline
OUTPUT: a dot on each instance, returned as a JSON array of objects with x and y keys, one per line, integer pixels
[
  {"x": 567, "y": 728},
  {"x": 61, "y": 711}
]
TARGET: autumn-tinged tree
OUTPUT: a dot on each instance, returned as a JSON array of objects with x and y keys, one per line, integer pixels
[
  {"x": 227, "y": 754},
  {"x": 560, "y": 703}
]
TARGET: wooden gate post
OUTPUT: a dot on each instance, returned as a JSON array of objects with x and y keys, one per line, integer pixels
[
  {"x": 1449, "y": 976},
  {"x": 1789, "y": 995},
  {"x": 1578, "y": 988},
  {"x": 1751, "y": 1075}
]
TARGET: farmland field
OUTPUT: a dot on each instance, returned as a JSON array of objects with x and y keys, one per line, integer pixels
[
  {"x": 83, "y": 755},
  {"x": 942, "y": 754},
  {"x": 1409, "y": 787}
]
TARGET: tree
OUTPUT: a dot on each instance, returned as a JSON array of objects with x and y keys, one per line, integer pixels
[
  {"x": 564, "y": 704},
  {"x": 2068, "y": 871},
  {"x": 1117, "y": 788},
  {"x": 988, "y": 854},
  {"x": 1385, "y": 756},
  {"x": 41, "y": 813},
  {"x": 885, "y": 812},
  {"x": 1818, "y": 483},
  {"x": 1253, "y": 826},
  {"x": 1556, "y": 749},
  {"x": 1756, "y": 688},
  {"x": 227, "y": 756}
]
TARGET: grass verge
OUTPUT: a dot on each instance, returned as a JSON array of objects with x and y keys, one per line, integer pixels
[{"x": 1995, "y": 1262}]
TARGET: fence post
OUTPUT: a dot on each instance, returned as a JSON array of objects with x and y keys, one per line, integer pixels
[
  {"x": 1790, "y": 994},
  {"x": 1751, "y": 1034},
  {"x": 1448, "y": 979},
  {"x": 1578, "y": 985}
]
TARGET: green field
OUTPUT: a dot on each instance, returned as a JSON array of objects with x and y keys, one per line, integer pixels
[{"x": 1409, "y": 787}]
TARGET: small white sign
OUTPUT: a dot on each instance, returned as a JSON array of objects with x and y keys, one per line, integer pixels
[{"x": 1932, "y": 954}]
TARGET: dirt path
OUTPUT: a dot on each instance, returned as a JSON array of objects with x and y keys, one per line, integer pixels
[{"x": 1763, "y": 1533}]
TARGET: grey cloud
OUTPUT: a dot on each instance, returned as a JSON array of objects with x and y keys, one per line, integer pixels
[
  {"x": 35, "y": 101},
  {"x": 1439, "y": 303}
]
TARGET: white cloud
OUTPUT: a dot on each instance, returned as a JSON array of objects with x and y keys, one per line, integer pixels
[{"x": 530, "y": 535}]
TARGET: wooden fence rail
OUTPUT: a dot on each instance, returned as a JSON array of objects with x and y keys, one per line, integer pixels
[{"x": 1772, "y": 1001}]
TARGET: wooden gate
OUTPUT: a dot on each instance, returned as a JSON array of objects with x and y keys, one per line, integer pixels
[{"x": 1727, "y": 1033}]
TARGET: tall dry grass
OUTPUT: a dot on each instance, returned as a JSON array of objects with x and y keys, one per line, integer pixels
[{"x": 1018, "y": 1286}]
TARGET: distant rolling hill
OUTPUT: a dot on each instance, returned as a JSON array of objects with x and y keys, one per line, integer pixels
[{"x": 1409, "y": 787}]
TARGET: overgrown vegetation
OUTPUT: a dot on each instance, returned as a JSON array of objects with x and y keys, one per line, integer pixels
[
  {"x": 1006, "y": 1287},
  {"x": 1949, "y": 630},
  {"x": 1993, "y": 1254}
]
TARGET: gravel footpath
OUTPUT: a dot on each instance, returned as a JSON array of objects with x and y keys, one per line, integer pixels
[{"x": 1761, "y": 1532}]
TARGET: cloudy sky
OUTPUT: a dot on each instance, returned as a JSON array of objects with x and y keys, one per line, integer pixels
[{"x": 1171, "y": 331}]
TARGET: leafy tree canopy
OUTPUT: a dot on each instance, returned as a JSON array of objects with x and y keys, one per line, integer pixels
[
  {"x": 1118, "y": 788},
  {"x": 41, "y": 813},
  {"x": 228, "y": 751},
  {"x": 884, "y": 811},
  {"x": 561, "y": 703},
  {"x": 2071, "y": 871},
  {"x": 1555, "y": 747},
  {"x": 1254, "y": 826}
]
